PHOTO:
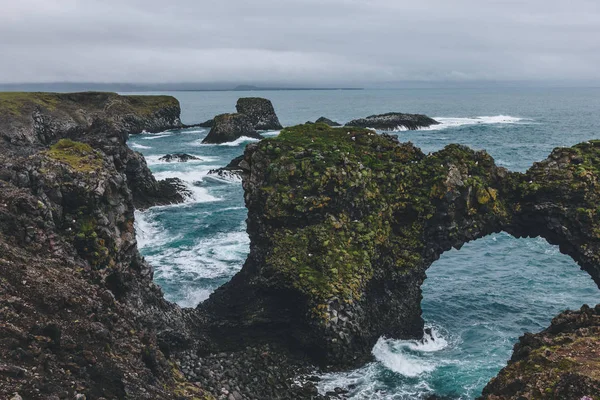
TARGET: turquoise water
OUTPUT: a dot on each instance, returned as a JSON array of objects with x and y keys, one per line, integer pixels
[{"x": 478, "y": 300}]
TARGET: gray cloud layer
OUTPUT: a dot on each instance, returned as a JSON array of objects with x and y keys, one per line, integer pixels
[{"x": 312, "y": 41}]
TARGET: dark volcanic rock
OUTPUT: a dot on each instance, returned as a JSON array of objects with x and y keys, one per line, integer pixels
[
  {"x": 230, "y": 127},
  {"x": 394, "y": 121},
  {"x": 559, "y": 363},
  {"x": 234, "y": 170},
  {"x": 178, "y": 157},
  {"x": 344, "y": 224},
  {"x": 327, "y": 121},
  {"x": 207, "y": 124},
  {"x": 260, "y": 112}
]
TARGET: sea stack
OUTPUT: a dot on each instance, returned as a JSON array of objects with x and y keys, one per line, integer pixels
[
  {"x": 260, "y": 112},
  {"x": 230, "y": 127},
  {"x": 394, "y": 121}
]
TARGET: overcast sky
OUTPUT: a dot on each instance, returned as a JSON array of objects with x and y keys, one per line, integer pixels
[{"x": 298, "y": 41}]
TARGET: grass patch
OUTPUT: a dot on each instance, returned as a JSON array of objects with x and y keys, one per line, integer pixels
[{"x": 79, "y": 156}]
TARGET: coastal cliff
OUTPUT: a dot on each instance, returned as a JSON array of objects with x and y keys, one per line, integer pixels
[{"x": 343, "y": 224}]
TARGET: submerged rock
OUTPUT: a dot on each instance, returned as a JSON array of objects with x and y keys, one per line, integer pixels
[
  {"x": 327, "y": 121},
  {"x": 230, "y": 127},
  {"x": 233, "y": 171},
  {"x": 344, "y": 223},
  {"x": 260, "y": 112},
  {"x": 178, "y": 157},
  {"x": 394, "y": 121}
]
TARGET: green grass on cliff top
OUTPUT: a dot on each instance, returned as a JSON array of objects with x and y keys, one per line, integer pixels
[{"x": 15, "y": 102}]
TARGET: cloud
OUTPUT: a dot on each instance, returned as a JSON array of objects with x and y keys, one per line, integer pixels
[{"x": 300, "y": 41}]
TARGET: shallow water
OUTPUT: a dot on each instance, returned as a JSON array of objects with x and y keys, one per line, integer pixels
[{"x": 478, "y": 300}]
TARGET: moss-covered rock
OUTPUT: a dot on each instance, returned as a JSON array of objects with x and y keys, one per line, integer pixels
[{"x": 344, "y": 223}]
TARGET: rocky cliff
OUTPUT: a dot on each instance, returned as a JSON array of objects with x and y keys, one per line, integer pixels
[
  {"x": 260, "y": 112},
  {"x": 230, "y": 127},
  {"x": 80, "y": 315}
]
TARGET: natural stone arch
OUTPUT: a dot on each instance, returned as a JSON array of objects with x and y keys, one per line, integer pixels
[{"x": 344, "y": 223}]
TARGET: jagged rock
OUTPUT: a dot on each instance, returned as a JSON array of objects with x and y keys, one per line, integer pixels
[
  {"x": 230, "y": 127},
  {"x": 260, "y": 112},
  {"x": 327, "y": 121},
  {"x": 560, "y": 362},
  {"x": 178, "y": 157},
  {"x": 232, "y": 171},
  {"x": 394, "y": 121},
  {"x": 344, "y": 223}
]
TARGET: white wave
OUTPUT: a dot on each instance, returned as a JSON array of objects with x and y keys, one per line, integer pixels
[
  {"x": 237, "y": 142},
  {"x": 191, "y": 178},
  {"x": 484, "y": 120},
  {"x": 410, "y": 358},
  {"x": 148, "y": 232},
  {"x": 194, "y": 131},
  {"x": 218, "y": 256},
  {"x": 139, "y": 146},
  {"x": 152, "y": 137}
]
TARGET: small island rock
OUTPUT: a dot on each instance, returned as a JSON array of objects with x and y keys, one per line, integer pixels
[
  {"x": 260, "y": 112},
  {"x": 230, "y": 127},
  {"x": 394, "y": 121}
]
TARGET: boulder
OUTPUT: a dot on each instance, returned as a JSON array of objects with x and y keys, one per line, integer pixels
[
  {"x": 260, "y": 112},
  {"x": 178, "y": 157},
  {"x": 327, "y": 121},
  {"x": 394, "y": 121},
  {"x": 230, "y": 127},
  {"x": 233, "y": 171}
]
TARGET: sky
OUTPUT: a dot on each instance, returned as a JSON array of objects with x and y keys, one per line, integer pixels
[{"x": 350, "y": 42}]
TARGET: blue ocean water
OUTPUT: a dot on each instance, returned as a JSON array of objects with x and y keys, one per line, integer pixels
[{"x": 478, "y": 300}]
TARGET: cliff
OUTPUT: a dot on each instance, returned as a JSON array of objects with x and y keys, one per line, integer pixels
[{"x": 344, "y": 224}]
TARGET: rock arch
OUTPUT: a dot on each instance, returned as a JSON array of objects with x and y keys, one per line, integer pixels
[{"x": 344, "y": 223}]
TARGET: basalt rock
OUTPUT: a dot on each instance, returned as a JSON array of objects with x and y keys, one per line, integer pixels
[
  {"x": 230, "y": 127},
  {"x": 394, "y": 121},
  {"x": 344, "y": 223},
  {"x": 232, "y": 171},
  {"x": 178, "y": 157},
  {"x": 559, "y": 363},
  {"x": 327, "y": 121},
  {"x": 260, "y": 112}
]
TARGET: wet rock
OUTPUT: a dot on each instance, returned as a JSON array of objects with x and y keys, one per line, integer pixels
[
  {"x": 230, "y": 127},
  {"x": 178, "y": 157},
  {"x": 260, "y": 112},
  {"x": 394, "y": 121}
]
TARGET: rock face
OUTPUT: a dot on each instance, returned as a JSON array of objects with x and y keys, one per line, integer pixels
[
  {"x": 559, "y": 363},
  {"x": 327, "y": 121},
  {"x": 344, "y": 223},
  {"x": 394, "y": 121},
  {"x": 178, "y": 157},
  {"x": 230, "y": 127},
  {"x": 260, "y": 112}
]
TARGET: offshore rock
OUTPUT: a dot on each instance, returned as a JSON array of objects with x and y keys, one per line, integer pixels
[
  {"x": 559, "y": 363},
  {"x": 394, "y": 121},
  {"x": 260, "y": 112},
  {"x": 233, "y": 171},
  {"x": 344, "y": 223},
  {"x": 230, "y": 127},
  {"x": 178, "y": 157},
  {"x": 327, "y": 121}
]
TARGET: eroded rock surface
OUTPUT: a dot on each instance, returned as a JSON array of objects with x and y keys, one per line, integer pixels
[
  {"x": 178, "y": 157},
  {"x": 230, "y": 127},
  {"x": 344, "y": 223},
  {"x": 260, "y": 112},
  {"x": 394, "y": 121}
]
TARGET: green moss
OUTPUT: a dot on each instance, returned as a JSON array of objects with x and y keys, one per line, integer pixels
[
  {"x": 79, "y": 156},
  {"x": 332, "y": 195},
  {"x": 148, "y": 105}
]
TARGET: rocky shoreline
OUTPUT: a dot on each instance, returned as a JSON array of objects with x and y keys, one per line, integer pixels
[{"x": 343, "y": 225}]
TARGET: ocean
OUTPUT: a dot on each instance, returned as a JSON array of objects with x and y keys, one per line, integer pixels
[{"x": 478, "y": 300}]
